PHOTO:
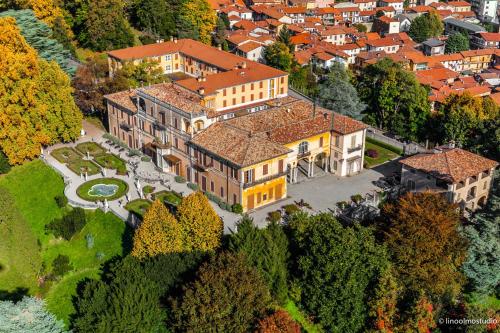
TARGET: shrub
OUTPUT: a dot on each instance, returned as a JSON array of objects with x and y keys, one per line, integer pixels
[
  {"x": 68, "y": 225},
  {"x": 4, "y": 163},
  {"x": 90, "y": 241},
  {"x": 213, "y": 197},
  {"x": 61, "y": 265},
  {"x": 148, "y": 189},
  {"x": 225, "y": 205},
  {"x": 356, "y": 198},
  {"x": 146, "y": 159},
  {"x": 179, "y": 179},
  {"x": 134, "y": 152},
  {"x": 274, "y": 216},
  {"x": 342, "y": 204},
  {"x": 61, "y": 201},
  {"x": 290, "y": 209},
  {"x": 193, "y": 186},
  {"x": 237, "y": 208},
  {"x": 372, "y": 153}
]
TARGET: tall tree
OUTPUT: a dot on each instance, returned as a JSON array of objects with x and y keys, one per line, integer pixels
[
  {"x": 338, "y": 94},
  {"x": 284, "y": 37},
  {"x": 124, "y": 300},
  {"x": 219, "y": 37},
  {"x": 36, "y": 100},
  {"x": 158, "y": 233},
  {"x": 146, "y": 72},
  {"x": 156, "y": 17},
  {"x": 265, "y": 249},
  {"x": 105, "y": 26},
  {"x": 278, "y": 322},
  {"x": 278, "y": 55},
  {"x": 482, "y": 266},
  {"x": 201, "y": 226},
  {"x": 227, "y": 296},
  {"x": 28, "y": 316},
  {"x": 421, "y": 232},
  {"x": 335, "y": 267},
  {"x": 426, "y": 26},
  {"x": 384, "y": 304},
  {"x": 395, "y": 100},
  {"x": 198, "y": 20},
  {"x": 456, "y": 43}
]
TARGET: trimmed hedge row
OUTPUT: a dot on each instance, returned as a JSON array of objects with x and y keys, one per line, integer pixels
[{"x": 387, "y": 146}]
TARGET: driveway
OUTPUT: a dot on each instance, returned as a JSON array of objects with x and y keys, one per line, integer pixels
[{"x": 325, "y": 191}]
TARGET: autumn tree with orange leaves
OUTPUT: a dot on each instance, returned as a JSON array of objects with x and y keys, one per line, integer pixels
[{"x": 278, "y": 322}]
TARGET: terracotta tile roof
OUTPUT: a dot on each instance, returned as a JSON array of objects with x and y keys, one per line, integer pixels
[
  {"x": 438, "y": 74},
  {"x": 496, "y": 98},
  {"x": 175, "y": 95},
  {"x": 124, "y": 99},
  {"x": 250, "y": 46},
  {"x": 238, "y": 146},
  {"x": 302, "y": 57},
  {"x": 480, "y": 52},
  {"x": 304, "y": 38},
  {"x": 420, "y": 9},
  {"x": 451, "y": 165},
  {"x": 245, "y": 25},
  {"x": 459, "y": 3},
  {"x": 490, "y": 36}
]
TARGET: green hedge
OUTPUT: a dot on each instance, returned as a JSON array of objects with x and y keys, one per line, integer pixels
[{"x": 387, "y": 146}]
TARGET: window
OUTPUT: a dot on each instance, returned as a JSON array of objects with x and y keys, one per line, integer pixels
[
  {"x": 249, "y": 176},
  {"x": 261, "y": 84},
  {"x": 264, "y": 196},
  {"x": 282, "y": 90},
  {"x": 303, "y": 147},
  {"x": 235, "y": 199},
  {"x": 168, "y": 57},
  {"x": 234, "y": 101},
  {"x": 224, "y": 92},
  {"x": 321, "y": 141},
  {"x": 221, "y": 167},
  {"x": 282, "y": 79},
  {"x": 224, "y": 103},
  {"x": 353, "y": 141},
  {"x": 410, "y": 184},
  {"x": 337, "y": 141},
  {"x": 242, "y": 99},
  {"x": 212, "y": 187},
  {"x": 176, "y": 143},
  {"x": 162, "y": 117},
  {"x": 251, "y": 98},
  {"x": 265, "y": 169},
  {"x": 176, "y": 56},
  {"x": 222, "y": 192},
  {"x": 485, "y": 184},
  {"x": 260, "y": 95},
  {"x": 243, "y": 88},
  {"x": 335, "y": 165},
  {"x": 176, "y": 124},
  {"x": 251, "y": 86},
  {"x": 259, "y": 197},
  {"x": 270, "y": 193},
  {"x": 280, "y": 166},
  {"x": 234, "y": 90}
]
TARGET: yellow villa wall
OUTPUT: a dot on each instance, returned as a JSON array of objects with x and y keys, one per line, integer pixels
[
  {"x": 314, "y": 143},
  {"x": 264, "y": 189}
]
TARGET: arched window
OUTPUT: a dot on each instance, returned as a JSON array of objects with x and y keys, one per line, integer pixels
[
  {"x": 142, "y": 104},
  {"x": 303, "y": 147}
]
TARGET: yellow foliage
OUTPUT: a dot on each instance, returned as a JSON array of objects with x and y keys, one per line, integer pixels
[
  {"x": 202, "y": 227},
  {"x": 35, "y": 99},
  {"x": 158, "y": 233},
  {"x": 46, "y": 10},
  {"x": 199, "y": 14}
]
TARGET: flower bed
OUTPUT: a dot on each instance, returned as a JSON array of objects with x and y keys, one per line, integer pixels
[
  {"x": 91, "y": 147},
  {"x": 110, "y": 161},
  {"x": 65, "y": 154},
  {"x": 80, "y": 166}
]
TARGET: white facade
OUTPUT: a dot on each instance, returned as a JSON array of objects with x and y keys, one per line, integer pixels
[
  {"x": 485, "y": 9},
  {"x": 347, "y": 153}
]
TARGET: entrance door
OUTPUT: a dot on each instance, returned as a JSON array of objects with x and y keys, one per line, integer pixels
[
  {"x": 250, "y": 202},
  {"x": 203, "y": 183},
  {"x": 278, "y": 190}
]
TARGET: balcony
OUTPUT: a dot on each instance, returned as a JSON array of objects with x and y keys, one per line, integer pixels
[
  {"x": 264, "y": 179},
  {"x": 303, "y": 154},
  {"x": 125, "y": 127},
  {"x": 354, "y": 149},
  {"x": 202, "y": 167}
]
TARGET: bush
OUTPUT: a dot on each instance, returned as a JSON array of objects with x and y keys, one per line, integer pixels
[
  {"x": 90, "y": 241},
  {"x": 61, "y": 265},
  {"x": 356, "y": 198},
  {"x": 4, "y": 163},
  {"x": 237, "y": 208},
  {"x": 193, "y": 186},
  {"x": 70, "y": 224},
  {"x": 134, "y": 152},
  {"x": 148, "y": 189},
  {"x": 225, "y": 205},
  {"x": 372, "y": 153},
  {"x": 179, "y": 179},
  {"x": 146, "y": 159},
  {"x": 274, "y": 216},
  {"x": 342, "y": 204},
  {"x": 213, "y": 197},
  {"x": 290, "y": 209},
  {"x": 61, "y": 201}
]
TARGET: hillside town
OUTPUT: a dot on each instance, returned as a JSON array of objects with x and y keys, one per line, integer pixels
[{"x": 270, "y": 166}]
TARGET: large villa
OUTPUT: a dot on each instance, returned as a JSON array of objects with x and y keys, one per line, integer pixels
[{"x": 229, "y": 125}]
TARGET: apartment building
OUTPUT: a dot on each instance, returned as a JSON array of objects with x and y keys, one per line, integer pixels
[
  {"x": 486, "y": 10},
  {"x": 463, "y": 177}
]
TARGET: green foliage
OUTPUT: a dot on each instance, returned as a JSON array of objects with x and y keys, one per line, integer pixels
[
  {"x": 284, "y": 37},
  {"x": 71, "y": 223},
  {"x": 155, "y": 17},
  {"x": 4, "y": 163},
  {"x": 124, "y": 300},
  {"x": 338, "y": 94},
  {"x": 335, "y": 267},
  {"x": 227, "y": 296},
  {"x": 360, "y": 27},
  {"x": 193, "y": 186},
  {"x": 40, "y": 36},
  {"x": 61, "y": 201},
  {"x": 179, "y": 179},
  {"x": 395, "y": 100},
  {"x": 456, "y": 43},
  {"x": 28, "y": 316},
  {"x": 482, "y": 265},
  {"x": 196, "y": 20},
  {"x": 61, "y": 265},
  {"x": 426, "y": 26},
  {"x": 144, "y": 73},
  {"x": 219, "y": 37},
  {"x": 290, "y": 209},
  {"x": 267, "y": 251},
  {"x": 303, "y": 80},
  {"x": 237, "y": 208},
  {"x": 278, "y": 55},
  {"x": 486, "y": 139}
]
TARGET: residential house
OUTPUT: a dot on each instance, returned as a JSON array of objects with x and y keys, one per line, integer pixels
[
  {"x": 396, "y": 4},
  {"x": 486, "y": 40},
  {"x": 433, "y": 46}
]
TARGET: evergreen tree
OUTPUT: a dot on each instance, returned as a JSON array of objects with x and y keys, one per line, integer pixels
[
  {"x": 482, "y": 266},
  {"x": 156, "y": 17},
  {"x": 284, "y": 37},
  {"x": 158, "y": 233},
  {"x": 28, "y": 316},
  {"x": 201, "y": 226},
  {"x": 40, "y": 37},
  {"x": 219, "y": 37},
  {"x": 227, "y": 296},
  {"x": 334, "y": 268},
  {"x": 426, "y": 26},
  {"x": 267, "y": 251},
  {"x": 456, "y": 43},
  {"x": 338, "y": 94}
]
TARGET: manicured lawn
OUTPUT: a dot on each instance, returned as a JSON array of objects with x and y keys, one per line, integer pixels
[
  {"x": 87, "y": 192},
  {"x": 110, "y": 161},
  {"x": 148, "y": 189},
  {"x": 299, "y": 317},
  {"x": 169, "y": 196},
  {"x": 24, "y": 245},
  {"x": 80, "y": 166},
  {"x": 384, "y": 155},
  {"x": 138, "y": 206},
  {"x": 66, "y": 154},
  {"x": 91, "y": 147}
]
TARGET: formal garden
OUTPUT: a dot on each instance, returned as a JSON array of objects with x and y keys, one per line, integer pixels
[
  {"x": 171, "y": 199},
  {"x": 377, "y": 152},
  {"x": 102, "y": 188},
  {"x": 51, "y": 247}
]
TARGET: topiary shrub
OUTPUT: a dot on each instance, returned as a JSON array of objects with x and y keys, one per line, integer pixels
[
  {"x": 61, "y": 201},
  {"x": 372, "y": 153},
  {"x": 68, "y": 225},
  {"x": 237, "y": 208},
  {"x": 274, "y": 216},
  {"x": 357, "y": 198},
  {"x": 225, "y": 206},
  {"x": 290, "y": 209},
  {"x": 193, "y": 186},
  {"x": 180, "y": 179},
  {"x": 61, "y": 265},
  {"x": 342, "y": 204}
]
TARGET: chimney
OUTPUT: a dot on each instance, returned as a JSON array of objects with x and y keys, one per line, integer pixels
[
  {"x": 219, "y": 47},
  {"x": 171, "y": 38},
  {"x": 451, "y": 144},
  {"x": 243, "y": 64},
  {"x": 175, "y": 40},
  {"x": 201, "y": 91}
]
